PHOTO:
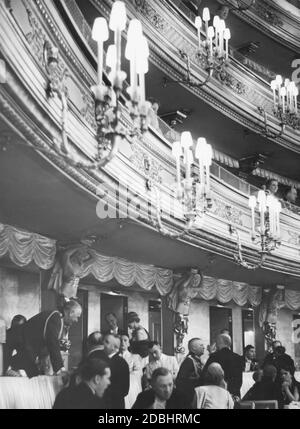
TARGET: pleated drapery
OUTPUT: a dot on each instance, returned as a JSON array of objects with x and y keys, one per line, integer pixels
[
  {"x": 226, "y": 290},
  {"x": 106, "y": 268},
  {"x": 24, "y": 247}
]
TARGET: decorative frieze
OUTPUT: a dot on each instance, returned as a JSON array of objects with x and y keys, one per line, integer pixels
[
  {"x": 268, "y": 14},
  {"x": 226, "y": 211},
  {"x": 146, "y": 164},
  {"x": 151, "y": 14},
  {"x": 88, "y": 110}
]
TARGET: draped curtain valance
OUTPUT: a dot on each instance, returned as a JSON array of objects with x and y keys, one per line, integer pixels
[
  {"x": 25, "y": 247},
  {"x": 105, "y": 268},
  {"x": 226, "y": 290},
  {"x": 241, "y": 293}
]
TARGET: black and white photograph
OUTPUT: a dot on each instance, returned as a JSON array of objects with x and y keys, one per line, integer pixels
[{"x": 149, "y": 208}]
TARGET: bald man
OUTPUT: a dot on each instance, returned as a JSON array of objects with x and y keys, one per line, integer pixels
[
  {"x": 231, "y": 363},
  {"x": 41, "y": 336},
  {"x": 189, "y": 375}
]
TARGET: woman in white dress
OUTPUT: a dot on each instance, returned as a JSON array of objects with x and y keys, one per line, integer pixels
[
  {"x": 135, "y": 369},
  {"x": 214, "y": 395}
]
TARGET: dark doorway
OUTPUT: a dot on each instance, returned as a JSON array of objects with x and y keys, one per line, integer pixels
[
  {"x": 220, "y": 318},
  {"x": 116, "y": 304},
  {"x": 248, "y": 328},
  {"x": 155, "y": 320},
  {"x": 78, "y": 331}
]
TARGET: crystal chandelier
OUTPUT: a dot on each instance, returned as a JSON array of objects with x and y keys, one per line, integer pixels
[
  {"x": 212, "y": 50},
  {"x": 266, "y": 233},
  {"x": 110, "y": 131},
  {"x": 193, "y": 193}
]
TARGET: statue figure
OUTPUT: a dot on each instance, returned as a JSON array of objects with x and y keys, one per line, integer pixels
[
  {"x": 268, "y": 313},
  {"x": 70, "y": 266},
  {"x": 179, "y": 300},
  {"x": 184, "y": 290}
]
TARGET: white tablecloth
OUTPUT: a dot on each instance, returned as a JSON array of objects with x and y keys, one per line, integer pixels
[
  {"x": 247, "y": 383},
  {"x": 24, "y": 393}
]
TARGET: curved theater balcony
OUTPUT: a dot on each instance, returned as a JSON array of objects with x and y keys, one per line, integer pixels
[
  {"x": 143, "y": 170},
  {"x": 279, "y": 19}
]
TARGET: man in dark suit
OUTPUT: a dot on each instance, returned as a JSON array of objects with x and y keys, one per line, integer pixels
[
  {"x": 189, "y": 375},
  {"x": 119, "y": 387},
  {"x": 42, "y": 334},
  {"x": 265, "y": 389},
  {"x": 231, "y": 363},
  {"x": 250, "y": 364},
  {"x": 95, "y": 376},
  {"x": 94, "y": 343},
  {"x": 162, "y": 395},
  {"x": 112, "y": 321}
]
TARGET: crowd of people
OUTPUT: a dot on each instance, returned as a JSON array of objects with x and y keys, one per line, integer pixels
[{"x": 126, "y": 369}]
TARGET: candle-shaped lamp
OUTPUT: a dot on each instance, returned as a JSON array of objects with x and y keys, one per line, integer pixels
[
  {"x": 187, "y": 143},
  {"x": 117, "y": 24},
  {"x": 210, "y": 36},
  {"x": 252, "y": 205},
  {"x": 134, "y": 37},
  {"x": 142, "y": 66},
  {"x": 274, "y": 88},
  {"x": 100, "y": 34},
  {"x": 177, "y": 153},
  {"x": 222, "y": 27},
  {"x": 216, "y": 24},
  {"x": 111, "y": 61},
  {"x": 198, "y": 25},
  {"x": 199, "y": 154},
  {"x": 261, "y": 199},
  {"x": 282, "y": 94},
  {"x": 206, "y": 18},
  {"x": 227, "y": 36}
]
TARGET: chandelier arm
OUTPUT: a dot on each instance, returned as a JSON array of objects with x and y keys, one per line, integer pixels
[
  {"x": 239, "y": 258},
  {"x": 209, "y": 76},
  {"x": 163, "y": 230},
  {"x": 266, "y": 131}
]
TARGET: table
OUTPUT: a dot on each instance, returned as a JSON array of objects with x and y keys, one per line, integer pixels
[{"x": 29, "y": 393}]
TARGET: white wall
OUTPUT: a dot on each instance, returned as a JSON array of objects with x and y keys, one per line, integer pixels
[{"x": 20, "y": 293}]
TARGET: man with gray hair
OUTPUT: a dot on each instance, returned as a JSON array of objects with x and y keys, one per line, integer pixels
[
  {"x": 231, "y": 363},
  {"x": 189, "y": 375}
]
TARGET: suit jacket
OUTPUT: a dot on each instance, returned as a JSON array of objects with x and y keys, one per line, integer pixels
[
  {"x": 253, "y": 364},
  {"x": 188, "y": 378},
  {"x": 232, "y": 365},
  {"x": 77, "y": 397},
  {"x": 41, "y": 333},
  {"x": 145, "y": 400},
  {"x": 119, "y": 379},
  {"x": 264, "y": 390}
]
